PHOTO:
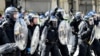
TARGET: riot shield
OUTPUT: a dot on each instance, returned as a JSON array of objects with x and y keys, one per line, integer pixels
[
  {"x": 42, "y": 41},
  {"x": 20, "y": 33},
  {"x": 92, "y": 37},
  {"x": 63, "y": 32},
  {"x": 97, "y": 32},
  {"x": 35, "y": 40}
]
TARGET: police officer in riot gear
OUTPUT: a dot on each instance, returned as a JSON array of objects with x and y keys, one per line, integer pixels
[
  {"x": 11, "y": 16},
  {"x": 96, "y": 44},
  {"x": 63, "y": 48},
  {"x": 97, "y": 22},
  {"x": 52, "y": 38},
  {"x": 33, "y": 23},
  {"x": 3, "y": 37},
  {"x": 85, "y": 31},
  {"x": 56, "y": 12},
  {"x": 74, "y": 24}
]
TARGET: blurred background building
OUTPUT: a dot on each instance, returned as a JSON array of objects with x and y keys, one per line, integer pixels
[{"x": 44, "y": 5}]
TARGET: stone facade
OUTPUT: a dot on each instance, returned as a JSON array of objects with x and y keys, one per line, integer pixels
[
  {"x": 38, "y": 5},
  {"x": 2, "y": 5},
  {"x": 44, "y": 5},
  {"x": 86, "y": 5}
]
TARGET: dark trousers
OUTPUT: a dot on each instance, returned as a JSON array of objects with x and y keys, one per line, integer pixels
[
  {"x": 9, "y": 54},
  {"x": 63, "y": 49},
  {"x": 99, "y": 40},
  {"x": 84, "y": 49},
  {"x": 96, "y": 47},
  {"x": 14, "y": 53},
  {"x": 74, "y": 46},
  {"x": 53, "y": 49},
  {"x": 35, "y": 54}
]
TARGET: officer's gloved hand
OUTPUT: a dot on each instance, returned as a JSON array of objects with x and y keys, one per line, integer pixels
[{"x": 28, "y": 50}]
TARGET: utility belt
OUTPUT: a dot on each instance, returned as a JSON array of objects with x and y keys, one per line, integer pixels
[
  {"x": 86, "y": 40},
  {"x": 11, "y": 53},
  {"x": 50, "y": 42}
]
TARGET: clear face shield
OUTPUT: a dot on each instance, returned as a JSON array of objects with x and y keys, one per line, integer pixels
[
  {"x": 78, "y": 16},
  {"x": 91, "y": 21},
  {"x": 35, "y": 20},
  {"x": 15, "y": 15},
  {"x": 95, "y": 16},
  {"x": 53, "y": 22}
]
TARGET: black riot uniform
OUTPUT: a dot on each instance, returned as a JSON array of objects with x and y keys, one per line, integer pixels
[
  {"x": 51, "y": 39},
  {"x": 96, "y": 44},
  {"x": 63, "y": 48},
  {"x": 3, "y": 37},
  {"x": 74, "y": 24},
  {"x": 8, "y": 28},
  {"x": 31, "y": 29},
  {"x": 85, "y": 31}
]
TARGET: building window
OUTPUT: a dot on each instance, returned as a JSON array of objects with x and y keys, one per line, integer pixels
[
  {"x": 85, "y": 5},
  {"x": 11, "y": 3}
]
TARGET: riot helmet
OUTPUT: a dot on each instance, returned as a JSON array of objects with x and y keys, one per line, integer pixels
[
  {"x": 33, "y": 18},
  {"x": 89, "y": 19},
  {"x": 60, "y": 14},
  {"x": 61, "y": 11},
  {"x": 91, "y": 13},
  {"x": 78, "y": 16},
  {"x": 48, "y": 13},
  {"x": 11, "y": 13}
]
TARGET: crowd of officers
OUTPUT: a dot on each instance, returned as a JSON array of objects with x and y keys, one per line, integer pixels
[{"x": 82, "y": 27}]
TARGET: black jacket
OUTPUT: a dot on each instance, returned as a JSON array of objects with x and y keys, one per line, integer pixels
[
  {"x": 9, "y": 30},
  {"x": 85, "y": 30},
  {"x": 52, "y": 34},
  {"x": 30, "y": 33},
  {"x": 74, "y": 24}
]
